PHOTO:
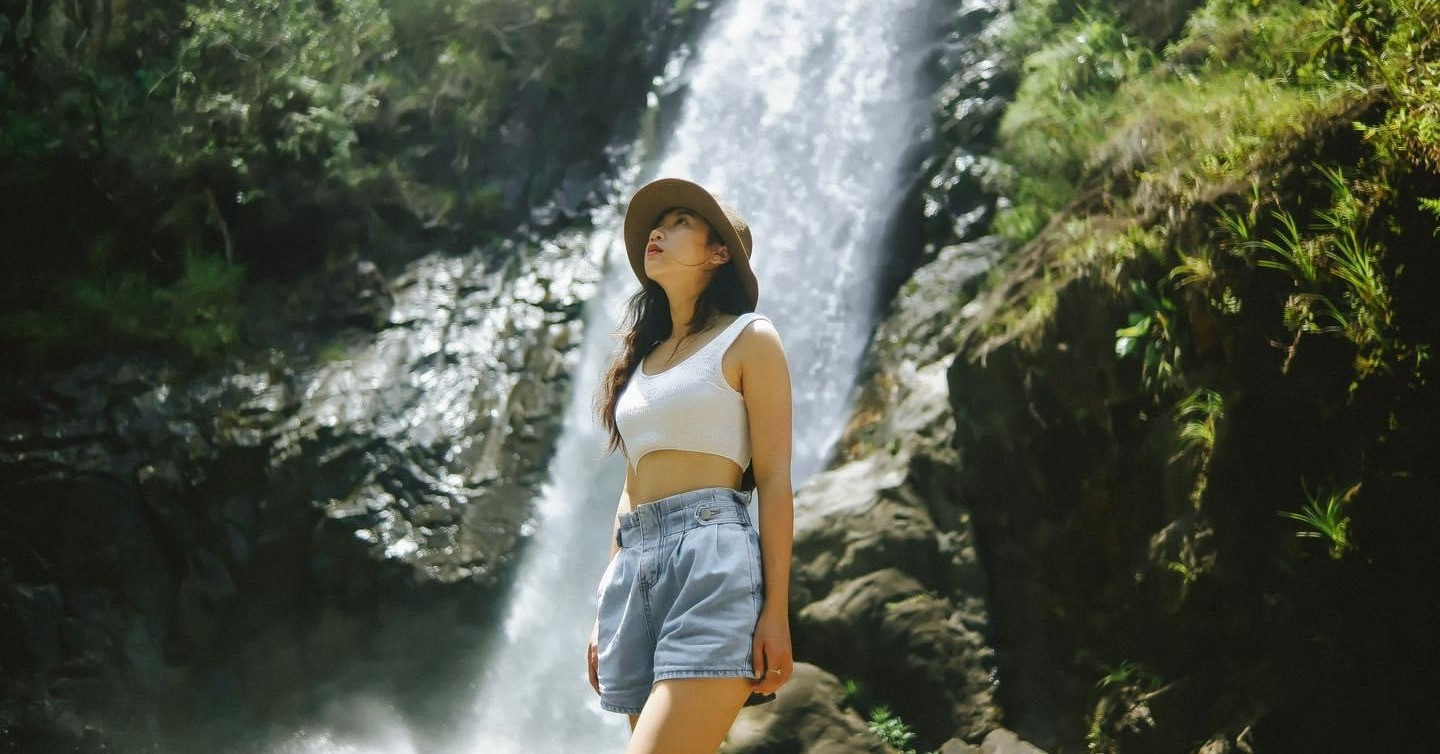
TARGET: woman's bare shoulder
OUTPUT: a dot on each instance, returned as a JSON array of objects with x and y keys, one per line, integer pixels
[{"x": 759, "y": 344}]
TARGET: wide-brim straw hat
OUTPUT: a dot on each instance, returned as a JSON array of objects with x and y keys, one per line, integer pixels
[{"x": 661, "y": 194}]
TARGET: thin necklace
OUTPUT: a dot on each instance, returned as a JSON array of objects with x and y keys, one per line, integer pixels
[{"x": 676, "y": 349}]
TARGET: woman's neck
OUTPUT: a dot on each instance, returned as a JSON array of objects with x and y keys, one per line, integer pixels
[{"x": 683, "y": 319}]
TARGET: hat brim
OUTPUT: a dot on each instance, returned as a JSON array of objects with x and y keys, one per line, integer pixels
[{"x": 655, "y": 197}]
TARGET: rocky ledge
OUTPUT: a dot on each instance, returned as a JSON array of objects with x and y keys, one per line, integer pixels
[{"x": 159, "y": 524}]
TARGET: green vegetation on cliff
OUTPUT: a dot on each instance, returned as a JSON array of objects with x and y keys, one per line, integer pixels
[
  {"x": 1224, "y": 284},
  {"x": 159, "y": 158},
  {"x": 1183, "y": 178}
]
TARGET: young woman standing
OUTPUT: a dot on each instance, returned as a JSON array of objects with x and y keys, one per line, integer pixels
[{"x": 692, "y": 620}]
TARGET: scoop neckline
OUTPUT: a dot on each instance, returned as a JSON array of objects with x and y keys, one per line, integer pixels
[{"x": 641, "y": 369}]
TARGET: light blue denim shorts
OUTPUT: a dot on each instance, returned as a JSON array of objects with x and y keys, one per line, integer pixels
[{"x": 681, "y": 596}]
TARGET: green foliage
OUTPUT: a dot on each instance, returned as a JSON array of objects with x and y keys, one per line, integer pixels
[
  {"x": 881, "y": 721},
  {"x": 1393, "y": 45},
  {"x": 1151, "y": 335},
  {"x": 211, "y": 122},
  {"x": 1433, "y": 207},
  {"x": 891, "y": 729},
  {"x": 1294, "y": 255},
  {"x": 203, "y": 305},
  {"x": 854, "y": 693},
  {"x": 1033, "y": 315},
  {"x": 1239, "y": 227},
  {"x": 1063, "y": 109},
  {"x": 1324, "y": 513},
  {"x": 1211, "y": 108},
  {"x": 198, "y": 312},
  {"x": 269, "y": 79},
  {"x": 1198, "y": 414},
  {"x": 1335, "y": 263},
  {"x": 1196, "y": 269},
  {"x": 1204, "y": 269},
  {"x": 1125, "y": 690},
  {"x": 1187, "y": 574}
]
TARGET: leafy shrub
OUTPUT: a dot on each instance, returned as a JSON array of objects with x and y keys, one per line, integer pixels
[
  {"x": 1062, "y": 112},
  {"x": 1324, "y": 513},
  {"x": 199, "y": 312},
  {"x": 169, "y": 127},
  {"x": 891, "y": 729}
]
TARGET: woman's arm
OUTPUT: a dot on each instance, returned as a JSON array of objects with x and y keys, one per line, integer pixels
[{"x": 765, "y": 385}]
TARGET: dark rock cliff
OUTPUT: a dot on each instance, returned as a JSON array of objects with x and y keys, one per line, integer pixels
[
  {"x": 172, "y": 542},
  {"x": 183, "y": 552},
  {"x": 1017, "y": 531},
  {"x": 1012, "y": 535}
]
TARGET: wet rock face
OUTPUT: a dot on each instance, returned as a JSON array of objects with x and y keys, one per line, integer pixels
[
  {"x": 887, "y": 587},
  {"x": 808, "y": 715},
  {"x": 425, "y": 446},
  {"x": 154, "y": 520},
  {"x": 1040, "y": 454},
  {"x": 962, "y": 188},
  {"x": 998, "y": 741}
]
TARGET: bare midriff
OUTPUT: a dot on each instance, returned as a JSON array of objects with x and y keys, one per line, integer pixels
[{"x": 662, "y": 473}]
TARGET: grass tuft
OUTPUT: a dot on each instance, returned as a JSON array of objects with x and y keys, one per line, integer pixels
[{"x": 1325, "y": 514}]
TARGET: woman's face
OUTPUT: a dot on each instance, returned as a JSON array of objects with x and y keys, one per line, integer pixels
[{"x": 680, "y": 241}]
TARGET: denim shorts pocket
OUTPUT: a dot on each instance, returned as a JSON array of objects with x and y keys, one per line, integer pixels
[{"x": 606, "y": 576}]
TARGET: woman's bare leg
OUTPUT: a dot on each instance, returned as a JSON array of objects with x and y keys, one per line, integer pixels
[{"x": 688, "y": 715}]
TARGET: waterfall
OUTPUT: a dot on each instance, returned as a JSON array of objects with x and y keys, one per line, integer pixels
[{"x": 801, "y": 114}]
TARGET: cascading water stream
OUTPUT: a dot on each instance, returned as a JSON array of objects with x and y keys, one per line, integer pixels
[{"x": 801, "y": 113}]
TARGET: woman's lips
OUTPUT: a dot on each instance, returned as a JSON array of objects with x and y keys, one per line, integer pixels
[{"x": 652, "y": 250}]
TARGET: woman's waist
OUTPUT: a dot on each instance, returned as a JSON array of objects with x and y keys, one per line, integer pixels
[
  {"x": 681, "y": 512},
  {"x": 663, "y": 474}
]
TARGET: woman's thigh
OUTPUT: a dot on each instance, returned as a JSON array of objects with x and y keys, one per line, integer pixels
[{"x": 688, "y": 715}]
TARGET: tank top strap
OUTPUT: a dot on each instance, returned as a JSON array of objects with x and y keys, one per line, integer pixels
[
  {"x": 707, "y": 366},
  {"x": 724, "y": 339}
]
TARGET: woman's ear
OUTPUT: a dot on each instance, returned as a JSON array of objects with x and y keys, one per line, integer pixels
[{"x": 722, "y": 251}]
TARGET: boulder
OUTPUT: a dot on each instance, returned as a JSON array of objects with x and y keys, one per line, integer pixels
[
  {"x": 998, "y": 741},
  {"x": 809, "y": 716}
]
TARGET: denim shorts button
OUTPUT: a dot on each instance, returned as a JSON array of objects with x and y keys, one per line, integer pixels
[{"x": 706, "y": 514}]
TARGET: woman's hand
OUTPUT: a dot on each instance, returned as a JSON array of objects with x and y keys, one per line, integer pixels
[
  {"x": 773, "y": 664},
  {"x": 592, "y": 656}
]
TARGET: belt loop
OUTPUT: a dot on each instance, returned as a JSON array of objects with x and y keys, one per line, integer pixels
[{"x": 618, "y": 543}]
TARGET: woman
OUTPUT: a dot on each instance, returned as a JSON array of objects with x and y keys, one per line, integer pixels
[{"x": 692, "y": 622}]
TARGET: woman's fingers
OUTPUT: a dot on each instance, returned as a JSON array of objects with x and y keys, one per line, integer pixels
[
  {"x": 592, "y": 655},
  {"x": 592, "y": 660},
  {"x": 775, "y": 662}
]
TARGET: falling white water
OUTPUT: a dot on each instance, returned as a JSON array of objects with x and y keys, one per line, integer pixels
[
  {"x": 800, "y": 113},
  {"x": 533, "y": 695}
]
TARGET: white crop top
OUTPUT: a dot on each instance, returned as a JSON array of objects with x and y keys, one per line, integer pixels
[{"x": 689, "y": 406}]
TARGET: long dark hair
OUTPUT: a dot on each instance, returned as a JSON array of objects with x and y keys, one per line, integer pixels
[{"x": 647, "y": 324}]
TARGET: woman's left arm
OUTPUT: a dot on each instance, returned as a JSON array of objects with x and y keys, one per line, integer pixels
[{"x": 765, "y": 385}]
